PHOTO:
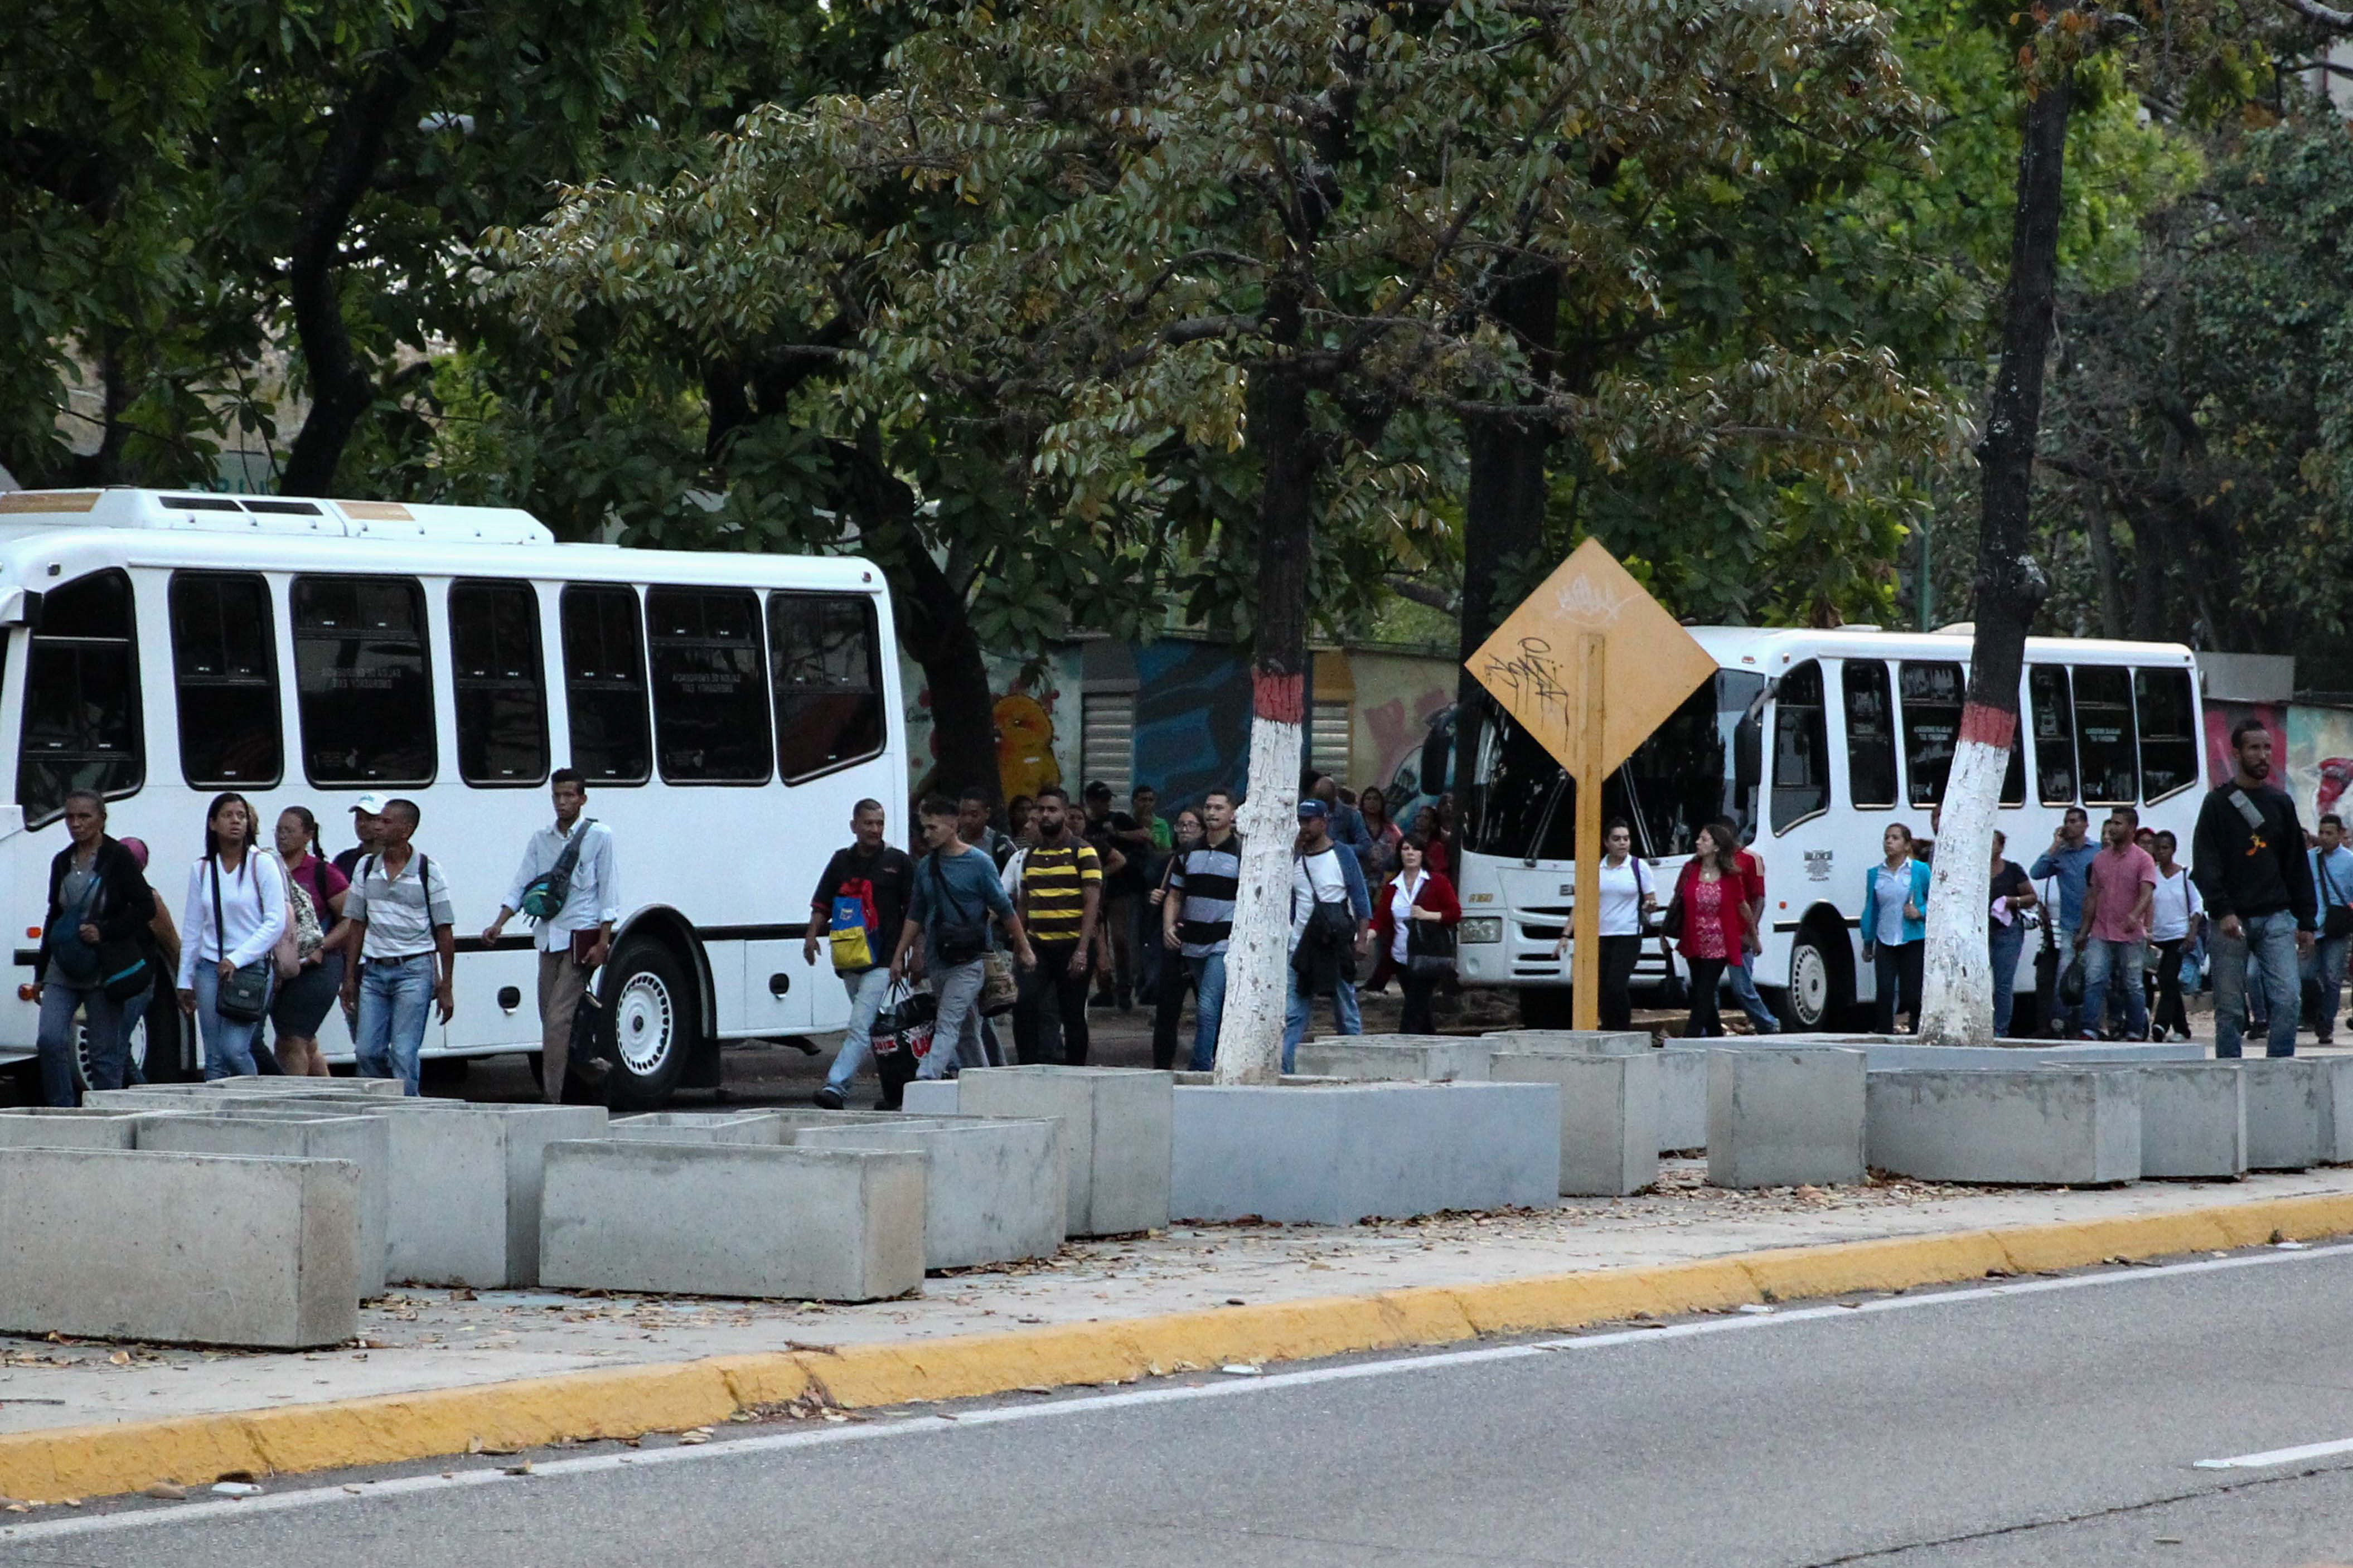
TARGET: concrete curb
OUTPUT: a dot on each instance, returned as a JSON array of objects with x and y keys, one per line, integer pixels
[{"x": 99, "y": 1460}]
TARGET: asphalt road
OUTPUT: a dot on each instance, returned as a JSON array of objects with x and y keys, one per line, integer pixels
[{"x": 2030, "y": 1422}]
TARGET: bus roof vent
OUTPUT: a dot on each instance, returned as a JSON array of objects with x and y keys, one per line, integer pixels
[{"x": 208, "y": 511}]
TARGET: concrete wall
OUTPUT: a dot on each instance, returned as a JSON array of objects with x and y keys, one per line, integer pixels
[{"x": 2057, "y": 1126}]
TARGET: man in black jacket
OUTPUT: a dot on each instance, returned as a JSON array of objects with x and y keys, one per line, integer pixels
[
  {"x": 98, "y": 904},
  {"x": 2249, "y": 863}
]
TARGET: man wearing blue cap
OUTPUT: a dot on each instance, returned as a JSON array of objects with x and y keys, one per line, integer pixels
[{"x": 1329, "y": 911}]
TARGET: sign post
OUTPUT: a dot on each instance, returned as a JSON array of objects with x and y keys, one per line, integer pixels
[{"x": 1550, "y": 666}]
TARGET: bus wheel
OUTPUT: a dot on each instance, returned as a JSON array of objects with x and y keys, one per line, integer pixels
[
  {"x": 154, "y": 1054},
  {"x": 652, "y": 1006},
  {"x": 1819, "y": 991}
]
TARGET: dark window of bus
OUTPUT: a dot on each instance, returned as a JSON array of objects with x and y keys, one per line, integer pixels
[
  {"x": 605, "y": 684},
  {"x": 363, "y": 682},
  {"x": 2013, "y": 777},
  {"x": 2054, "y": 733},
  {"x": 2169, "y": 731},
  {"x": 81, "y": 727},
  {"x": 502, "y": 692},
  {"x": 1801, "y": 749},
  {"x": 2105, "y": 742},
  {"x": 1687, "y": 774},
  {"x": 1523, "y": 802},
  {"x": 225, "y": 666},
  {"x": 824, "y": 656},
  {"x": 1932, "y": 725},
  {"x": 711, "y": 699},
  {"x": 1870, "y": 734}
]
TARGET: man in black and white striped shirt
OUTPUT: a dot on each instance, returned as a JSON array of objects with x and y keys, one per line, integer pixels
[{"x": 1198, "y": 917}]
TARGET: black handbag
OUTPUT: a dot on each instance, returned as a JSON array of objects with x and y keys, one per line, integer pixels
[
  {"x": 2336, "y": 916},
  {"x": 244, "y": 995},
  {"x": 958, "y": 940},
  {"x": 1429, "y": 947}
]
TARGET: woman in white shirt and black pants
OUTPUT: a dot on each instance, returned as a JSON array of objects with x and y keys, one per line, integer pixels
[
  {"x": 1626, "y": 896},
  {"x": 251, "y": 891}
]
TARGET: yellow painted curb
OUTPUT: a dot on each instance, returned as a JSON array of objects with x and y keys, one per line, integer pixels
[{"x": 623, "y": 1401}]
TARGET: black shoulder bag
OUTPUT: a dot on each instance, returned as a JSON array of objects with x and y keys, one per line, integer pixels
[
  {"x": 244, "y": 996},
  {"x": 959, "y": 941}
]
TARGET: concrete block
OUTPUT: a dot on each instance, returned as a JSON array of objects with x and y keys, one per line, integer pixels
[
  {"x": 1594, "y": 1042},
  {"x": 1892, "y": 1053},
  {"x": 930, "y": 1097},
  {"x": 1340, "y": 1154},
  {"x": 2193, "y": 1120},
  {"x": 1683, "y": 1097},
  {"x": 377, "y": 1088},
  {"x": 732, "y": 1219},
  {"x": 1396, "y": 1059},
  {"x": 187, "y": 1249},
  {"x": 55, "y": 1127},
  {"x": 1116, "y": 1134},
  {"x": 1609, "y": 1114},
  {"x": 363, "y": 1142},
  {"x": 994, "y": 1188},
  {"x": 2075, "y": 1126},
  {"x": 1289, "y": 1079},
  {"x": 1776, "y": 1119},
  {"x": 2297, "y": 1112},
  {"x": 700, "y": 1127}
]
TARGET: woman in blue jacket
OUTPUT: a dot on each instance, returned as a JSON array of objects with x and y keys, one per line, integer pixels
[{"x": 1896, "y": 926}]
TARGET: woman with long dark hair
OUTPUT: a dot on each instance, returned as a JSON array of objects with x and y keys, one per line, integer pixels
[
  {"x": 1712, "y": 923},
  {"x": 1626, "y": 898},
  {"x": 1417, "y": 897},
  {"x": 1896, "y": 926},
  {"x": 234, "y": 916},
  {"x": 304, "y": 1001}
]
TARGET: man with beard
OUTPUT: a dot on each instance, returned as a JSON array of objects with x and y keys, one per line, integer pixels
[{"x": 2250, "y": 868}]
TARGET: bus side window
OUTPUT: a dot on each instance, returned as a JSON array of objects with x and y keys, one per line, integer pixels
[
  {"x": 1932, "y": 725},
  {"x": 2105, "y": 738},
  {"x": 1801, "y": 749},
  {"x": 225, "y": 668},
  {"x": 824, "y": 658},
  {"x": 2169, "y": 731},
  {"x": 1870, "y": 734},
  {"x": 81, "y": 726},
  {"x": 605, "y": 684},
  {"x": 363, "y": 681},
  {"x": 2054, "y": 733},
  {"x": 710, "y": 701},
  {"x": 502, "y": 701}
]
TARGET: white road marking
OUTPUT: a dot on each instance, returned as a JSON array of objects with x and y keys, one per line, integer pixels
[
  {"x": 2278, "y": 1457},
  {"x": 1168, "y": 1393}
]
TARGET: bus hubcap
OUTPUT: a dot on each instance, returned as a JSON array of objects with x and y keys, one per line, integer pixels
[
  {"x": 644, "y": 1023},
  {"x": 1809, "y": 983},
  {"x": 135, "y": 1051}
]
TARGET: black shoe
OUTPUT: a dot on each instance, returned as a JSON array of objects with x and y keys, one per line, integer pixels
[{"x": 826, "y": 1099}]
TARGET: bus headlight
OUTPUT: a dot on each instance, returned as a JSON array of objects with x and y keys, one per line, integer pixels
[{"x": 1487, "y": 929}]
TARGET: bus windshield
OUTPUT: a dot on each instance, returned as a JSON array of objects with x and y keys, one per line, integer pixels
[{"x": 1523, "y": 805}]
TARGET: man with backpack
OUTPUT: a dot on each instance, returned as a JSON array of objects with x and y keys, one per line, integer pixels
[
  {"x": 565, "y": 887},
  {"x": 98, "y": 905},
  {"x": 1330, "y": 911},
  {"x": 2249, "y": 862},
  {"x": 859, "y": 905},
  {"x": 403, "y": 931},
  {"x": 957, "y": 904}
]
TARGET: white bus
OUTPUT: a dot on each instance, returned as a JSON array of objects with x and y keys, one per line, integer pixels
[
  {"x": 728, "y": 710},
  {"x": 1811, "y": 742}
]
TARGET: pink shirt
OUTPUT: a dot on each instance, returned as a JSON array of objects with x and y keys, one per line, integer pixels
[{"x": 2115, "y": 878}]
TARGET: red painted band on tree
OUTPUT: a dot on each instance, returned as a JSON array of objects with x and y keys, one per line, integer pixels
[
  {"x": 1989, "y": 725},
  {"x": 1280, "y": 698}
]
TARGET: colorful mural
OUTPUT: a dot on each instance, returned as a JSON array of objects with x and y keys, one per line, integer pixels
[
  {"x": 1192, "y": 720},
  {"x": 1402, "y": 700},
  {"x": 2315, "y": 745},
  {"x": 1036, "y": 725}
]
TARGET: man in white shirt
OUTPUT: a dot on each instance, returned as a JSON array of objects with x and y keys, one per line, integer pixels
[
  {"x": 405, "y": 934},
  {"x": 1322, "y": 873},
  {"x": 2324, "y": 966},
  {"x": 565, "y": 883}
]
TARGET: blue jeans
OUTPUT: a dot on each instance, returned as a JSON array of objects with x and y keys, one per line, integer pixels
[
  {"x": 2068, "y": 959},
  {"x": 228, "y": 1047},
  {"x": 2111, "y": 971},
  {"x": 1346, "y": 1020},
  {"x": 2323, "y": 971},
  {"x": 2004, "y": 943},
  {"x": 2269, "y": 943},
  {"x": 1741, "y": 978},
  {"x": 868, "y": 989},
  {"x": 956, "y": 1028},
  {"x": 1208, "y": 1007},
  {"x": 107, "y": 1044},
  {"x": 395, "y": 995}
]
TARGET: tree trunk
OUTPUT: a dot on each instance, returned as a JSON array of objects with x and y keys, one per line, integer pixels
[
  {"x": 1956, "y": 993},
  {"x": 1503, "y": 512},
  {"x": 1258, "y": 955}
]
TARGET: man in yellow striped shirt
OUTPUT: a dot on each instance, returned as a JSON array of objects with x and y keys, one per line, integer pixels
[{"x": 1061, "y": 898}]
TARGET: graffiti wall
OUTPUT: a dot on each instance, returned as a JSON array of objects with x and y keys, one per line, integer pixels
[
  {"x": 1037, "y": 726},
  {"x": 2315, "y": 745},
  {"x": 1192, "y": 720},
  {"x": 1401, "y": 701}
]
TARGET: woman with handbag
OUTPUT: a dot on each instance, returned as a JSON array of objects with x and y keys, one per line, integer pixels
[
  {"x": 309, "y": 964},
  {"x": 97, "y": 904},
  {"x": 1626, "y": 902},
  {"x": 1413, "y": 927},
  {"x": 1896, "y": 926},
  {"x": 234, "y": 914},
  {"x": 1709, "y": 921}
]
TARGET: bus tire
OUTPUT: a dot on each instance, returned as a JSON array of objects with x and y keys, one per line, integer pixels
[
  {"x": 155, "y": 1045},
  {"x": 654, "y": 1006},
  {"x": 1822, "y": 989}
]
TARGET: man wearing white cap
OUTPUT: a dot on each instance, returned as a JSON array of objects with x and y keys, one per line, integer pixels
[{"x": 366, "y": 826}]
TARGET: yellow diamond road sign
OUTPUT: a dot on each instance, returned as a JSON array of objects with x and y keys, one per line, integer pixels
[{"x": 1533, "y": 665}]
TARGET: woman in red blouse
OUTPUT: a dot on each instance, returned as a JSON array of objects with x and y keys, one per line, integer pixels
[
  {"x": 1415, "y": 894},
  {"x": 1712, "y": 914}
]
